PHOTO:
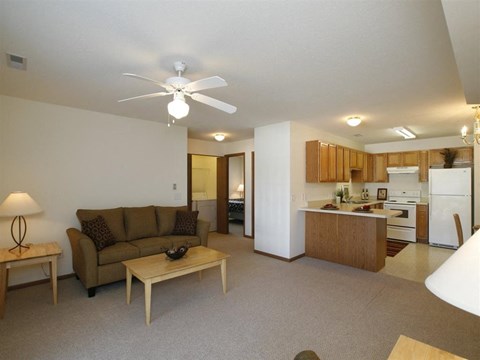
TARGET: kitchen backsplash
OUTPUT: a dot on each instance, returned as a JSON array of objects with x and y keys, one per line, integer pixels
[{"x": 398, "y": 182}]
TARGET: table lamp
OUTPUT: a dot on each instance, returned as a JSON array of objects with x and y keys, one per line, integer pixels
[
  {"x": 18, "y": 204},
  {"x": 241, "y": 189},
  {"x": 457, "y": 280}
]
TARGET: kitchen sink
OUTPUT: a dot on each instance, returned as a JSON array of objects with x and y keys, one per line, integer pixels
[{"x": 360, "y": 201}]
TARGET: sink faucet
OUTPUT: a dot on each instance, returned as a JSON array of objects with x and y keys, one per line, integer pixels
[{"x": 348, "y": 199}]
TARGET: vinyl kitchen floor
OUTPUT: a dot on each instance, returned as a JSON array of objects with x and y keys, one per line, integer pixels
[{"x": 416, "y": 261}]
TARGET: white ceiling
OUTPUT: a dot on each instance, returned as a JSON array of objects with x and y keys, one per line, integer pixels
[{"x": 316, "y": 62}]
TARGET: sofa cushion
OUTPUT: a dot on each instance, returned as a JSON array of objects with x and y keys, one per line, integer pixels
[
  {"x": 152, "y": 245},
  {"x": 166, "y": 216},
  {"x": 187, "y": 240},
  {"x": 140, "y": 222},
  {"x": 185, "y": 223},
  {"x": 98, "y": 230},
  {"x": 121, "y": 251},
  {"x": 113, "y": 218}
]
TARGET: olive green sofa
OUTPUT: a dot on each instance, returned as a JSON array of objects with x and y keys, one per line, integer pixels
[{"x": 138, "y": 231}]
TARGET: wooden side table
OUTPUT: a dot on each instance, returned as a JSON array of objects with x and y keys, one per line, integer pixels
[
  {"x": 407, "y": 348},
  {"x": 36, "y": 254}
]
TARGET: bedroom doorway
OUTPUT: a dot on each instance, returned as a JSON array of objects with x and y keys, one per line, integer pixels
[
  {"x": 236, "y": 194},
  {"x": 231, "y": 194}
]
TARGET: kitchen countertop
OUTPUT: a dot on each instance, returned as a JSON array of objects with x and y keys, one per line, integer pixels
[{"x": 347, "y": 209}]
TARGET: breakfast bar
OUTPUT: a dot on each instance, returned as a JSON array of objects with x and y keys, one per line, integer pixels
[{"x": 348, "y": 234}]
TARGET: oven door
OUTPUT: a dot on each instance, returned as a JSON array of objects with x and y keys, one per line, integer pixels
[{"x": 407, "y": 218}]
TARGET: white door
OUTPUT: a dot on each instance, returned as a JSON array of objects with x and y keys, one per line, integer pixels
[{"x": 441, "y": 224}]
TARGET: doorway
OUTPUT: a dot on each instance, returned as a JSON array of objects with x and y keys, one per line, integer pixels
[{"x": 236, "y": 191}]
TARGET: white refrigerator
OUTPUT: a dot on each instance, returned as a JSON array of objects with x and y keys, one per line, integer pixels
[{"x": 450, "y": 191}]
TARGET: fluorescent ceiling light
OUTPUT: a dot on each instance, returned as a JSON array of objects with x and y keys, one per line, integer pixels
[
  {"x": 354, "y": 121},
  {"x": 407, "y": 134}
]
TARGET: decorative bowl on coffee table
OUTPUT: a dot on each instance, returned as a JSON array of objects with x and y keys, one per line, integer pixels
[{"x": 176, "y": 253}]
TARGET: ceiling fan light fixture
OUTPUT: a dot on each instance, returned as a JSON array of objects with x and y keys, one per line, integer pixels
[
  {"x": 407, "y": 134},
  {"x": 354, "y": 121},
  {"x": 219, "y": 137},
  {"x": 178, "y": 108}
]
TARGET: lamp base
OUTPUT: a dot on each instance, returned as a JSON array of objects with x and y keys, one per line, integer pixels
[
  {"x": 21, "y": 233},
  {"x": 20, "y": 247}
]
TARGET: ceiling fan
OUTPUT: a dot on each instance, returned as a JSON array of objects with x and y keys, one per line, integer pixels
[{"x": 179, "y": 87}]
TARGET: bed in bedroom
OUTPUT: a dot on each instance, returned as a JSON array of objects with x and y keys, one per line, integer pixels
[{"x": 236, "y": 209}]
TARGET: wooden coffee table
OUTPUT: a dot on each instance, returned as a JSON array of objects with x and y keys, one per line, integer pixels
[{"x": 156, "y": 268}]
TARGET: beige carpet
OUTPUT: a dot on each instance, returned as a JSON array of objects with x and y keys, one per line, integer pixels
[{"x": 272, "y": 310}]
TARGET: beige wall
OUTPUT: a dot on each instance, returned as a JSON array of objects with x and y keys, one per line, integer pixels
[{"x": 67, "y": 158}]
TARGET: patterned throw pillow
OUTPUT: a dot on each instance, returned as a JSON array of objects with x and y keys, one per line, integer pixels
[
  {"x": 98, "y": 230},
  {"x": 185, "y": 223}
]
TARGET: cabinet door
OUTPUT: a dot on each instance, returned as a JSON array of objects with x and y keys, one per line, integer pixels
[
  {"x": 332, "y": 162},
  {"x": 367, "y": 171},
  {"x": 360, "y": 160},
  {"x": 464, "y": 155},
  {"x": 353, "y": 159},
  {"x": 422, "y": 224},
  {"x": 312, "y": 161},
  {"x": 340, "y": 168},
  {"x": 346, "y": 164},
  {"x": 324, "y": 166},
  {"x": 423, "y": 165},
  {"x": 380, "y": 168},
  {"x": 435, "y": 159},
  {"x": 394, "y": 159},
  {"x": 410, "y": 158}
]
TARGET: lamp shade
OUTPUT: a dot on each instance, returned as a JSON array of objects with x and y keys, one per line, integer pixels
[
  {"x": 457, "y": 280},
  {"x": 240, "y": 188},
  {"x": 178, "y": 108},
  {"x": 19, "y": 204}
]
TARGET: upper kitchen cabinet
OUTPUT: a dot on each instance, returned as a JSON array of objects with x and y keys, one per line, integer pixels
[
  {"x": 380, "y": 168},
  {"x": 356, "y": 159},
  {"x": 423, "y": 166},
  {"x": 407, "y": 158},
  {"x": 365, "y": 173},
  {"x": 340, "y": 174},
  {"x": 321, "y": 160},
  {"x": 346, "y": 164},
  {"x": 464, "y": 156},
  {"x": 368, "y": 167}
]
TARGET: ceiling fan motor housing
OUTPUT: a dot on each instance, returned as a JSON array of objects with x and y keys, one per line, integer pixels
[{"x": 177, "y": 81}]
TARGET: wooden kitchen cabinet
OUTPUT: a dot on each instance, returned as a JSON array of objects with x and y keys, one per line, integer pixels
[
  {"x": 340, "y": 163},
  {"x": 380, "y": 168},
  {"x": 346, "y": 164},
  {"x": 423, "y": 166},
  {"x": 367, "y": 168},
  {"x": 422, "y": 223},
  {"x": 464, "y": 156},
  {"x": 320, "y": 162},
  {"x": 406, "y": 158},
  {"x": 332, "y": 162}
]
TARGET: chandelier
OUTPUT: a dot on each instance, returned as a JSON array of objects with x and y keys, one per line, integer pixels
[{"x": 476, "y": 129}]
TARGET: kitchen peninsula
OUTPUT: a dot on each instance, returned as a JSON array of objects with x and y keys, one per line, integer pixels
[{"x": 346, "y": 236}]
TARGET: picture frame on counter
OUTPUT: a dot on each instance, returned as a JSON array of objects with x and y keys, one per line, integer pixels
[{"x": 382, "y": 194}]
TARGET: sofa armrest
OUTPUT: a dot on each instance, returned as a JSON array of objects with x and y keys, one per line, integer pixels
[
  {"x": 84, "y": 257},
  {"x": 203, "y": 227}
]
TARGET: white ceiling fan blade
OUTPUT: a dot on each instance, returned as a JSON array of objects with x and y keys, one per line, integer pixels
[
  {"x": 147, "y": 96},
  {"x": 166, "y": 86},
  {"x": 207, "y": 83},
  {"x": 220, "y": 105}
]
